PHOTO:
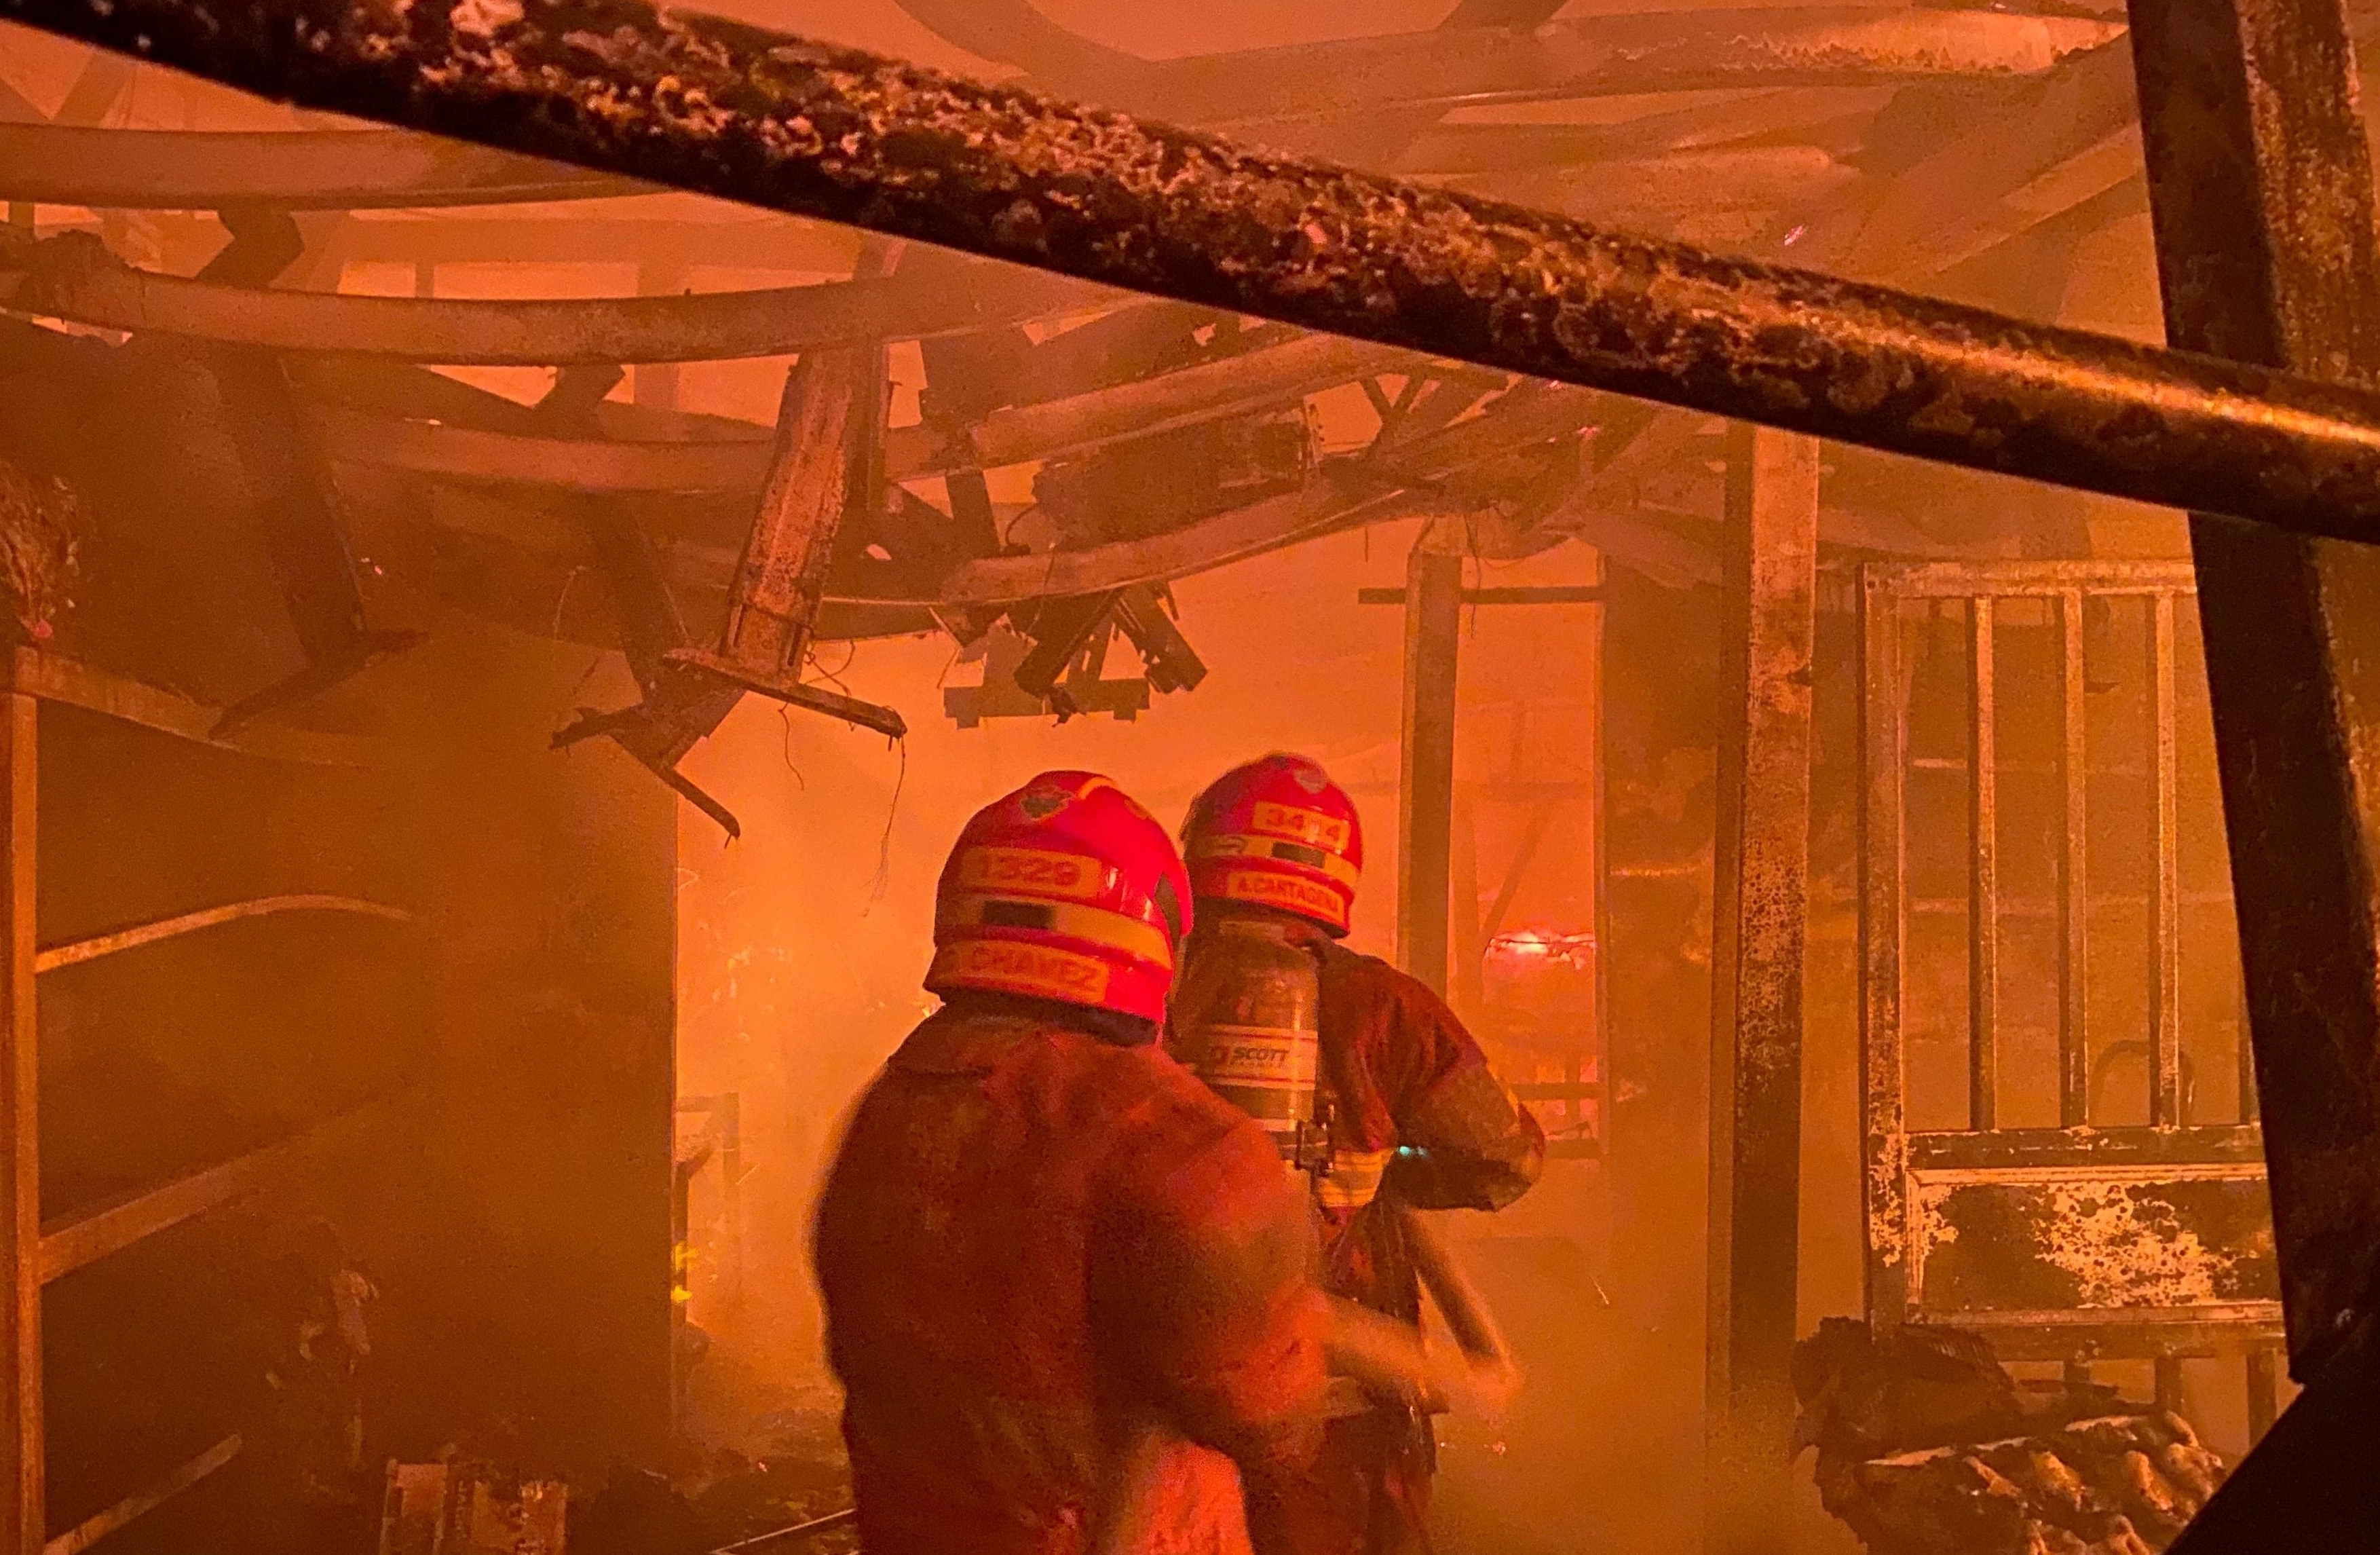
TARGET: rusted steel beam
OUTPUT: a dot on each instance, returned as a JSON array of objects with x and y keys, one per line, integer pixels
[
  {"x": 1760, "y": 926},
  {"x": 776, "y": 120},
  {"x": 2003, "y": 580},
  {"x": 303, "y": 170},
  {"x": 2306, "y": 1486},
  {"x": 74, "y": 276},
  {"x": 2261, "y": 189}
]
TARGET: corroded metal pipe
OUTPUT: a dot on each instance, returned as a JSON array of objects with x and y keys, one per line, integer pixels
[{"x": 795, "y": 125}]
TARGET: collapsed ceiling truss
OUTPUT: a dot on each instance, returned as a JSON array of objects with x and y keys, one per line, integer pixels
[{"x": 1165, "y": 438}]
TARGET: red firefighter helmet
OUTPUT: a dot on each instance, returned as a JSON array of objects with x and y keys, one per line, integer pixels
[
  {"x": 1066, "y": 889},
  {"x": 1277, "y": 833}
]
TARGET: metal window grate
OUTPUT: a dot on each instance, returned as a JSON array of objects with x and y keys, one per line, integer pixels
[{"x": 2089, "y": 1239}]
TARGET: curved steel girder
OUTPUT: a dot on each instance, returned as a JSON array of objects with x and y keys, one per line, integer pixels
[
  {"x": 544, "y": 592},
  {"x": 368, "y": 169},
  {"x": 735, "y": 110},
  {"x": 88, "y": 287},
  {"x": 1619, "y": 55},
  {"x": 1195, "y": 548},
  {"x": 1270, "y": 375},
  {"x": 1403, "y": 480},
  {"x": 476, "y": 455},
  {"x": 535, "y": 587},
  {"x": 1017, "y": 32},
  {"x": 486, "y": 454},
  {"x": 1606, "y": 56},
  {"x": 295, "y": 170},
  {"x": 528, "y": 585}
]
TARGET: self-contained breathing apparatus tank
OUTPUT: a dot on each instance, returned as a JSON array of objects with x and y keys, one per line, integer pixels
[
  {"x": 1247, "y": 1020},
  {"x": 1248, "y": 1009}
]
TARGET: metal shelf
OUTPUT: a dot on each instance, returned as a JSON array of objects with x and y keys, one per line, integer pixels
[
  {"x": 50, "y": 677},
  {"x": 35, "y": 1254}
]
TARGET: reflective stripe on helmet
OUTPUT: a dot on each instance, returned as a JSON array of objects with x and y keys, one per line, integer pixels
[
  {"x": 1095, "y": 925},
  {"x": 1243, "y": 847},
  {"x": 1009, "y": 966}
]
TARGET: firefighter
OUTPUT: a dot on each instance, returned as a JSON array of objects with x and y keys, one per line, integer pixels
[
  {"x": 1413, "y": 1117},
  {"x": 1058, "y": 1273}
]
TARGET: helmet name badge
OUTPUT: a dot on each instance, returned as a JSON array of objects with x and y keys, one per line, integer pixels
[
  {"x": 1281, "y": 891},
  {"x": 1038, "y": 971}
]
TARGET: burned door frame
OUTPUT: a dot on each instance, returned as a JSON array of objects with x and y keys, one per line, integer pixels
[
  {"x": 1433, "y": 601},
  {"x": 1908, "y": 1174}
]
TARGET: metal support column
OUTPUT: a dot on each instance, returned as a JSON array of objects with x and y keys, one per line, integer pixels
[
  {"x": 1426, "y": 781},
  {"x": 1759, "y": 926},
  {"x": 2261, "y": 187},
  {"x": 22, "y": 1528}
]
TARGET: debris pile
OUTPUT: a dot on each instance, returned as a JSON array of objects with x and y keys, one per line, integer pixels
[
  {"x": 458, "y": 1508},
  {"x": 1927, "y": 1447},
  {"x": 2119, "y": 1484},
  {"x": 802, "y": 1477}
]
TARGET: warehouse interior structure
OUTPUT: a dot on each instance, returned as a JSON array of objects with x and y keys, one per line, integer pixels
[{"x": 425, "y": 878}]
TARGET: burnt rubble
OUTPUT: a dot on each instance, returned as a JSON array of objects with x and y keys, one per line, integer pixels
[{"x": 1926, "y": 1446}]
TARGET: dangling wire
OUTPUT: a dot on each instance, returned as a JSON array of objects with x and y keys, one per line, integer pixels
[
  {"x": 877, "y": 887},
  {"x": 786, "y": 715}
]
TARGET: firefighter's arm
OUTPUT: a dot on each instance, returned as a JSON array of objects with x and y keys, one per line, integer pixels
[
  {"x": 1204, "y": 1272},
  {"x": 1464, "y": 1143}
]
